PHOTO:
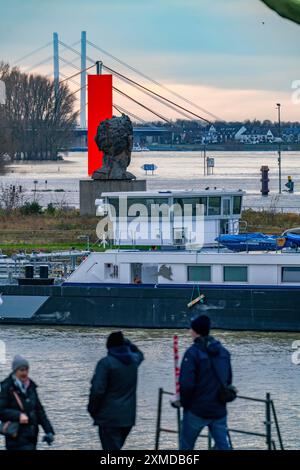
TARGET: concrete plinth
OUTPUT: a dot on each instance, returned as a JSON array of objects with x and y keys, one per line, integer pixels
[{"x": 90, "y": 190}]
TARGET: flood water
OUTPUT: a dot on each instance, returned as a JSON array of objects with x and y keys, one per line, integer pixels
[{"x": 63, "y": 360}]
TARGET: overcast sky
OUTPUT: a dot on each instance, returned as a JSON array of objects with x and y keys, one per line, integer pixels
[{"x": 235, "y": 58}]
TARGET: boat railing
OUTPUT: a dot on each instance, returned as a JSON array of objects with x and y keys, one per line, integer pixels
[
  {"x": 271, "y": 435},
  {"x": 59, "y": 265}
]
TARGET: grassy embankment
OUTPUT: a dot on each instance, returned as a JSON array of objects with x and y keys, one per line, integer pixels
[
  {"x": 45, "y": 232},
  {"x": 61, "y": 231}
]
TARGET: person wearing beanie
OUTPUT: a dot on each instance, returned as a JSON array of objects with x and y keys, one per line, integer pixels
[
  {"x": 205, "y": 367},
  {"x": 20, "y": 403},
  {"x": 112, "y": 400}
]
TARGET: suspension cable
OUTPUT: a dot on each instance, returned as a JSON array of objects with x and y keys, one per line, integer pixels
[
  {"x": 122, "y": 110},
  {"x": 74, "y": 50},
  {"x": 153, "y": 81},
  {"x": 29, "y": 69},
  {"x": 78, "y": 73},
  {"x": 160, "y": 100},
  {"x": 142, "y": 105},
  {"x": 67, "y": 62},
  {"x": 156, "y": 94},
  {"x": 16, "y": 62}
]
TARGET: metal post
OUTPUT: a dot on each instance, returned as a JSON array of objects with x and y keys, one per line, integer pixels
[
  {"x": 83, "y": 81},
  {"x": 268, "y": 422},
  {"x": 56, "y": 61},
  {"x": 279, "y": 145},
  {"x": 159, "y": 407},
  {"x": 209, "y": 441},
  {"x": 204, "y": 160},
  {"x": 277, "y": 425},
  {"x": 179, "y": 425}
]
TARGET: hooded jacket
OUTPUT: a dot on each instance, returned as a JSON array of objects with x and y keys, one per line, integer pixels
[
  {"x": 199, "y": 385},
  {"x": 112, "y": 401}
]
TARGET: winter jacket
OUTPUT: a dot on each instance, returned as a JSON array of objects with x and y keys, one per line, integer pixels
[
  {"x": 199, "y": 384},
  {"x": 10, "y": 411},
  {"x": 112, "y": 400}
]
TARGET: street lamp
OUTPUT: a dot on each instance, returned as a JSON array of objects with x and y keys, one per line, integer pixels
[{"x": 279, "y": 144}]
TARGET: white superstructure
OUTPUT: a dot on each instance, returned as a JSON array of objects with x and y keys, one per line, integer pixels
[
  {"x": 171, "y": 218},
  {"x": 189, "y": 267}
]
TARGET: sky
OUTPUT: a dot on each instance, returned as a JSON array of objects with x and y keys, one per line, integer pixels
[{"x": 235, "y": 58}]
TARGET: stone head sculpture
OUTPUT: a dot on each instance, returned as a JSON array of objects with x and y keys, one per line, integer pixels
[{"x": 115, "y": 139}]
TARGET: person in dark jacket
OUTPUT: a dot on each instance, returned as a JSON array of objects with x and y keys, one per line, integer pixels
[
  {"x": 19, "y": 402},
  {"x": 112, "y": 402},
  {"x": 200, "y": 382}
]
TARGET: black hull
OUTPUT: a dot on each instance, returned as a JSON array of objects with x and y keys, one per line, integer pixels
[{"x": 230, "y": 307}]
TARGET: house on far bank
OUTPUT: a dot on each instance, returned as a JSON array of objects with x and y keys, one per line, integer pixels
[
  {"x": 255, "y": 135},
  {"x": 291, "y": 134}
]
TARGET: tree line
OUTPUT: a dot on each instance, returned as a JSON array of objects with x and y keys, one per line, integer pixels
[{"x": 37, "y": 118}]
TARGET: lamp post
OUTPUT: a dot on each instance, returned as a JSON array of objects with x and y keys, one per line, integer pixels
[
  {"x": 279, "y": 145},
  {"x": 35, "y": 188}
]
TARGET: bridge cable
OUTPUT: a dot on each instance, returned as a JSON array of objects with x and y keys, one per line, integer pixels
[
  {"x": 75, "y": 51},
  {"x": 31, "y": 53},
  {"x": 154, "y": 81},
  {"x": 160, "y": 100},
  {"x": 78, "y": 73},
  {"x": 156, "y": 94},
  {"x": 122, "y": 110},
  {"x": 67, "y": 62},
  {"x": 142, "y": 105}
]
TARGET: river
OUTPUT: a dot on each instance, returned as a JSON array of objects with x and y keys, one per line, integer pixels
[
  {"x": 63, "y": 360},
  {"x": 175, "y": 170}
]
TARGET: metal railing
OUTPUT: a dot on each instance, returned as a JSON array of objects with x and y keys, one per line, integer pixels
[
  {"x": 60, "y": 264},
  {"x": 269, "y": 420}
]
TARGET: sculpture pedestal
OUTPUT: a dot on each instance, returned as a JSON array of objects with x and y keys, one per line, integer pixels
[{"x": 90, "y": 190}]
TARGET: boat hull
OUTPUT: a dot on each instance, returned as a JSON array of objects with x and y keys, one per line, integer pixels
[{"x": 260, "y": 308}]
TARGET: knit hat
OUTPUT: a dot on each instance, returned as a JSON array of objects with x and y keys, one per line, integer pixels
[
  {"x": 115, "y": 339},
  {"x": 201, "y": 325},
  {"x": 19, "y": 362}
]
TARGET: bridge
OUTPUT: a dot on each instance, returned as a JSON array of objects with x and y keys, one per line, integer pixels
[{"x": 75, "y": 61}]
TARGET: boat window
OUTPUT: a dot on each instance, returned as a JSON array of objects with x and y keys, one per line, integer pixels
[
  {"x": 114, "y": 202},
  {"x": 214, "y": 206},
  {"x": 111, "y": 271},
  {"x": 203, "y": 201},
  {"x": 194, "y": 202},
  {"x": 199, "y": 273},
  {"x": 153, "y": 206},
  {"x": 290, "y": 274},
  {"x": 237, "y": 204},
  {"x": 226, "y": 202},
  {"x": 235, "y": 273}
]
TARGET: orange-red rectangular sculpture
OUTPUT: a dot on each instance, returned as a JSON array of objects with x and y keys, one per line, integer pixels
[{"x": 100, "y": 102}]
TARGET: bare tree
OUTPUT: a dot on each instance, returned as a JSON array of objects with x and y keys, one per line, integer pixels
[
  {"x": 39, "y": 117},
  {"x": 4, "y": 132},
  {"x": 11, "y": 197}
]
